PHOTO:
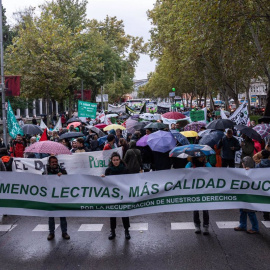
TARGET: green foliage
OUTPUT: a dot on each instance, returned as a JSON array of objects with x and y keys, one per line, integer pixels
[
  {"x": 56, "y": 50},
  {"x": 209, "y": 46}
]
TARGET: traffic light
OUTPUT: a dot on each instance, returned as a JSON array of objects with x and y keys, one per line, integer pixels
[{"x": 173, "y": 89}]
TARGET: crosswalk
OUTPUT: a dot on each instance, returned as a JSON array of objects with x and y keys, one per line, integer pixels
[{"x": 133, "y": 226}]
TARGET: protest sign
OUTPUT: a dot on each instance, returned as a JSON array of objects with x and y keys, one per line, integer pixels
[
  {"x": 196, "y": 116},
  {"x": 134, "y": 194},
  {"x": 92, "y": 163},
  {"x": 87, "y": 109}
]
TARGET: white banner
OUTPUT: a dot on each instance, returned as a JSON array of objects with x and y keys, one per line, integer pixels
[
  {"x": 134, "y": 194},
  {"x": 91, "y": 163},
  {"x": 116, "y": 109}
]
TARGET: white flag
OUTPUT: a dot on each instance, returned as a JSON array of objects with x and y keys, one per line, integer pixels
[
  {"x": 223, "y": 115},
  {"x": 42, "y": 124},
  {"x": 240, "y": 116},
  {"x": 58, "y": 125}
]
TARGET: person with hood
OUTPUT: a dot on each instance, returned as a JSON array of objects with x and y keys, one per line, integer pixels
[
  {"x": 248, "y": 163},
  {"x": 133, "y": 158},
  {"x": 247, "y": 146},
  {"x": 117, "y": 167},
  {"x": 197, "y": 162},
  {"x": 53, "y": 168}
]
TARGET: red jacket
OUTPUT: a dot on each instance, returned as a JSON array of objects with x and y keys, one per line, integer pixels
[{"x": 17, "y": 149}]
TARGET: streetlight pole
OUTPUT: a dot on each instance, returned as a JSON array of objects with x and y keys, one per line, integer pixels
[{"x": 2, "y": 77}]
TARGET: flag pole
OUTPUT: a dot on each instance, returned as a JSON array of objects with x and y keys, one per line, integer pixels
[{"x": 2, "y": 77}]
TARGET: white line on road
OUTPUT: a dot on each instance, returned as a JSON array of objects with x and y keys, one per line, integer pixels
[
  {"x": 90, "y": 228},
  {"x": 227, "y": 224},
  {"x": 266, "y": 224},
  {"x": 43, "y": 228},
  {"x": 138, "y": 227},
  {"x": 182, "y": 226},
  {"x": 5, "y": 228}
]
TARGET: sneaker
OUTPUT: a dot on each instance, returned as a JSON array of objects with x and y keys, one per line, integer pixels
[
  {"x": 65, "y": 236},
  {"x": 50, "y": 237},
  {"x": 239, "y": 229},
  {"x": 197, "y": 229},
  {"x": 205, "y": 230},
  {"x": 252, "y": 232}
]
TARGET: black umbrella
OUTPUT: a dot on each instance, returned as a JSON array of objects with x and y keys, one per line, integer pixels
[
  {"x": 96, "y": 130},
  {"x": 156, "y": 125},
  {"x": 140, "y": 125},
  {"x": 30, "y": 129},
  {"x": 74, "y": 119},
  {"x": 250, "y": 132},
  {"x": 264, "y": 119},
  {"x": 220, "y": 124},
  {"x": 212, "y": 138},
  {"x": 70, "y": 135}
]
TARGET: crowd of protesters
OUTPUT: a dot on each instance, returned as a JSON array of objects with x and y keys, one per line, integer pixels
[{"x": 140, "y": 159}]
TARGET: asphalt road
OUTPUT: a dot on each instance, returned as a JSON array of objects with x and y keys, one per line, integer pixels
[{"x": 160, "y": 241}]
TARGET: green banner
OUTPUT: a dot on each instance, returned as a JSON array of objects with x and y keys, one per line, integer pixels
[
  {"x": 87, "y": 109},
  {"x": 197, "y": 116}
]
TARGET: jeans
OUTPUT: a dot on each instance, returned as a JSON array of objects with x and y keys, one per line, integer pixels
[
  {"x": 63, "y": 224},
  {"x": 252, "y": 218},
  {"x": 228, "y": 162},
  {"x": 125, "y": 221},
  {"x": 196, "y": 218}
]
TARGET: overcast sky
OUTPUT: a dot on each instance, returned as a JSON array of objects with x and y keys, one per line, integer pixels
[{"x": 132, "y": 12}]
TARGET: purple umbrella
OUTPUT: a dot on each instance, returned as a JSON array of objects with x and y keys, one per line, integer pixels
[
  {"x": 195, "y": 126},
  {"x": 161, "y": 141},
  {"x": 142, "y": 141}
]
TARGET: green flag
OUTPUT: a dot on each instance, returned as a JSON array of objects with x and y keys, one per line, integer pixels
[{"x": 13, "y": 126}]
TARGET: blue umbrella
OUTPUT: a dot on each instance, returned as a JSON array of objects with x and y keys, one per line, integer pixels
[
  {"x": 102, "y": 140},
  {"x": 212, "y": 138},
  {"x": 179, "y": 137},
  {"x": 192, "y": 150},
  {"x": 161, "y": 141}
]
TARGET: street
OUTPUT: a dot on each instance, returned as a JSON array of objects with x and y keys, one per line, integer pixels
[{"x": 160, "y": 241}]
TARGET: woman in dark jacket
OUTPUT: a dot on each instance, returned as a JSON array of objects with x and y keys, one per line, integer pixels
[{"x": 116, "y": 167}]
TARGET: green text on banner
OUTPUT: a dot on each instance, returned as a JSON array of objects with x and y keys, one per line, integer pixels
[{"x": 134, "y": 194}]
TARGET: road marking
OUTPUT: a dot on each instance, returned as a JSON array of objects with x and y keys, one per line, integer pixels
[
  {"x": 43, "y": 228},
  {"x": 266, "y": 224},
  {"x": 6, "y": 228},
  {"x": 182, "y": 226},
  {"x": 227, "y": 224},
  {"x": 90, "y": 228},
  {"x": 138, "y": 227}
]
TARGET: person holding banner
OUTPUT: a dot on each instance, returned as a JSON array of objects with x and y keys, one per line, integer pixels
[
  {"x": 116, "y": 167},
  {"x": 196, "y": 162},
  {"x": 54, "y": 168},
  {"x": 248, "y": 163}
]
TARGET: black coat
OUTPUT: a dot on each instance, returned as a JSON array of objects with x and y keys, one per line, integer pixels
[{"x": 112, "y": 170}]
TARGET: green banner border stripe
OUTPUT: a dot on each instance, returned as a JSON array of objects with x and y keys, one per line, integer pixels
[{"x": 248, "y": 198}]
